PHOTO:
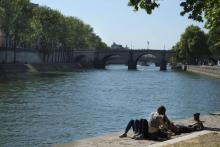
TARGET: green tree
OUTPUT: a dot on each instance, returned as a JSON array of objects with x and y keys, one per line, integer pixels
[
  {"x": 80, "y": 35},
  {"x": 27, "y": 23},
  {"x": 16, "y": 18},
  {"x": 192, "y": 46},
  {"x": 50, "y": 26},
  {"x": 214, "y": 41}
]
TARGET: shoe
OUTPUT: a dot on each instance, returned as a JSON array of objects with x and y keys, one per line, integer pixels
[
  {"x": 135, "y": 136},
  {"x": 140, "y": 137},
  {"x": 161, "y": 139},
  {"x": 123, "y": 135}
]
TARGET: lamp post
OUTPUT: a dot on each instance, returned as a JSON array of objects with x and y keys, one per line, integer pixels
[{"x": 148, "y": 44}]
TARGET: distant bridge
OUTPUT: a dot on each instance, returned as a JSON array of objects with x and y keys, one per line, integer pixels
[
  {"x": 97, "y": 59},
  {"x": 127, "y": 57}
]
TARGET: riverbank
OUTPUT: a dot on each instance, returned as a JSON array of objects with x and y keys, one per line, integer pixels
[
  {"x": 25, "y": 68},
  {"x": 211, "y": 123},
  {"x": 13, "y": 71},
  {"x": 213, "y": 71}
]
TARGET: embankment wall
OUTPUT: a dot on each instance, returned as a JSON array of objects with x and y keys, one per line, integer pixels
[
  {"x": 213, "y": 71},
  {"x": 20, "y": 57}
]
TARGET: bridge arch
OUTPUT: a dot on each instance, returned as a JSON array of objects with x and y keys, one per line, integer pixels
[
  {"x": 82, "y": 60},
  {"x": 143, "y": 54},
  {"x": 79, "y": 58},
  {"x": 146, "y": 57},
  {"x": 106, "y": 58},
  {"x": 161, "y": 58},
  {"x": 113, "y": 59}
]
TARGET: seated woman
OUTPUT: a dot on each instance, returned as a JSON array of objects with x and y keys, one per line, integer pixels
[{"x": 178, "y": 129}]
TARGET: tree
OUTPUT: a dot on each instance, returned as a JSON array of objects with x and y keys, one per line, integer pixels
[
  {"x": 214, "y": 41},
  {"x": 194, "y": 8},
  {"x": 26, "y": 23},
  {"x": 192, "y": 46},
  {"x": 80, "y": 35},
  {"x": 51, "y": 28},
  {"x": 15, "y": 22},
  {"x": 16, "y": 19}
]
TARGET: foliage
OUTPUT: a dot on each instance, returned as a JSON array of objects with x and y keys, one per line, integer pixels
[
  {"x": 195, "y": 9},
  {"x": 192, "y": 45},
  {"x": 25, "y": 22},
  {"x": 49, "y": 28},
  {"x": 147, "y": 5},
  {"x": 11, "y": 16},
  {"x": 214, "y": 41}
]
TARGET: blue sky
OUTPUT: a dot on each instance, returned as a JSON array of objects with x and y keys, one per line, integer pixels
[{"x": 114, "y": 21}]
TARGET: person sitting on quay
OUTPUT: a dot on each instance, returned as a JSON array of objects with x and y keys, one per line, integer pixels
[
  {"x": 178, "y": 129},
  {"x": 152, "y": 130},
  {"x": 140, "y": 129},
  {"x": 160, "y": 127}
]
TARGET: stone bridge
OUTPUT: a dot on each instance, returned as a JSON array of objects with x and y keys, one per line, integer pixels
[
  {"x": 128, "y": 57},
  {"x": 97, "y": 59}
]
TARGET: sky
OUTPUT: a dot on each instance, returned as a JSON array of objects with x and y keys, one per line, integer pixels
[{"x": 115, "y": 21}]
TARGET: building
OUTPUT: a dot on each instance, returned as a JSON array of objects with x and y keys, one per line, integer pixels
[{"x": 116, "y": 46}]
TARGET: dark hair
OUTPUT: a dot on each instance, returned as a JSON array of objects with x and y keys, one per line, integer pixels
[
  {"x": 196, "y": 116},
  {"x": 161, "y": 110}
]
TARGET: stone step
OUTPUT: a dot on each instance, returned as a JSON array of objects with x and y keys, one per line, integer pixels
[
  {"x": 179, "y": 139},
  {"x": 31, "y": 68}
]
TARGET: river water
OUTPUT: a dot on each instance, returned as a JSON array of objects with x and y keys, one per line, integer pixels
[{"x": 46, "y": 109}]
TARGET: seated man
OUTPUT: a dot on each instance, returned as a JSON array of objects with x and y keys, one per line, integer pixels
[{"x": 157, "y": 122}]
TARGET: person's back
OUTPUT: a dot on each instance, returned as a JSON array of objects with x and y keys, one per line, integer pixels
[
  {"x": 154, "y": 122},
  {"x": 157, "y": 120}
]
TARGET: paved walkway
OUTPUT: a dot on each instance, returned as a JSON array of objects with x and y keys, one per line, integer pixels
[{"x": 211, "y": 122}]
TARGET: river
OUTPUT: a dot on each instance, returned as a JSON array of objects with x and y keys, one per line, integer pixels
[{"x": 41, "y": 110}]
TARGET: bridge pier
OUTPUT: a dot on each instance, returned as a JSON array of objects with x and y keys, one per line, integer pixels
[
  {"x": 131, "y": 63},
  {"x": 163, "y": 65},
  {"x": 99, "y": 64}
]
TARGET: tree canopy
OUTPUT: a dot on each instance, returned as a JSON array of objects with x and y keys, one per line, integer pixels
[
  {"x": 25, "y": 22},
  {"x": 214, "y": 41},
  {"x": 192, "y": 45}
]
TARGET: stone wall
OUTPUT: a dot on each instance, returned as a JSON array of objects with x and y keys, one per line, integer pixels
[
  {"x": 213, "y": 71},
  {"x": 21, "y": 57},
  {"x": 12, "y": 68}
]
